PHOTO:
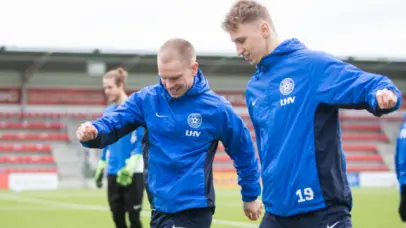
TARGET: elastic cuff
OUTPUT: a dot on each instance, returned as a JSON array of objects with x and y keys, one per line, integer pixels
[{"x": 248, "y": 199}]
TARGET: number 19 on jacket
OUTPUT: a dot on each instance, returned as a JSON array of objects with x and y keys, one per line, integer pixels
[{"x": 305, "y": 195}]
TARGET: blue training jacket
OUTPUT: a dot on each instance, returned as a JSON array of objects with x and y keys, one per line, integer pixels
[
  {"x": 293, "y": 100},
  {"x": 183, "y": 135},
  {"x": 116, "y": 154},
  {"x": 400, "y": 155}
]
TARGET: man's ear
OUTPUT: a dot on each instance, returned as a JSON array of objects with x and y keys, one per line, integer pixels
[
  {"x": 195, "y": 68},
  {"x": 265, "y": 29}
]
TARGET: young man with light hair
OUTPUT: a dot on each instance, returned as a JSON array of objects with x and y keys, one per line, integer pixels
[
  {"x": 400, "y": 168},
  {"x": 293, "y": 100},
  {"x": 122, "y": 159},
  {"x": 185, "y": 121}
]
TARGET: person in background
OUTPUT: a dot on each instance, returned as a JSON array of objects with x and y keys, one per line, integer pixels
[{"x": 122, "y": 160}]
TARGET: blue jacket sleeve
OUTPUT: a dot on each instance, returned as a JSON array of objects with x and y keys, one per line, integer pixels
[
  {"x": 114, "y": 125},
  {"x": 400, "y": 156},
  {"x": 346, "y": 86},
  {"x": 137, "y": 143},
  {"x": 237, "y": 141}
]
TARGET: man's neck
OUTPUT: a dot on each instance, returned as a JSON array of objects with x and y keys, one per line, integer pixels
[
  {"x": 273, "y": 42},
  {"x": 122, "y": 98}
]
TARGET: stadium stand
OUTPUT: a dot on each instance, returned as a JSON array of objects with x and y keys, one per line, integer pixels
[
  {"x": 27, "y": 142},
  {"x": 42, "y": 108},
  {"x": 24, "y": 145}
]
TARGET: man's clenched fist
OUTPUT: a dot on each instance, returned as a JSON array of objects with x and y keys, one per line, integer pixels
[
  {"x": 253, "y": 210},
  {"x": 386, "y": 99},
  {"x": 86, "y": 131}
]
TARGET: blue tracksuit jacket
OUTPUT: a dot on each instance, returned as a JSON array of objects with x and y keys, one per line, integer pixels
[
  {"x": 293, "y": 100},
  {"x": 400, "y": 156},
  {"x": 183, "y": 135},
  {"x": 116, "y": 154}
]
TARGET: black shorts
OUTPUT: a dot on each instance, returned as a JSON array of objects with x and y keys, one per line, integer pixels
[
  {"x": 334, "y": 217},
  {"x": 125, "y": 198},
  {"x": 192, "y": 218}
]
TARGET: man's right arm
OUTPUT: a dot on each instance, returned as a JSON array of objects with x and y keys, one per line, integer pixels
[
  {"x": 346, "y": 86},
  {"x": 114, "y": 125}
]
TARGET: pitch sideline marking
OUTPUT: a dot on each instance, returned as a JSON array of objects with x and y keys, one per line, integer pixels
[{"x": 104, "y": 208}]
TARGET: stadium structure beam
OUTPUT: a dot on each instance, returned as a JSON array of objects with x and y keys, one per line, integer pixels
[
  {"x": 149, "y": 60},
  {"x": 216, "y": 65},
  {"x": 27, "y": 74},
  {"x": 131, "y": 63},
  {"x": 36, "y": 66}
]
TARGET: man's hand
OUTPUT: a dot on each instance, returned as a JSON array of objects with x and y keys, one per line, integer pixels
[
  {"x": 98, "y": 176},
  {"x": 253, "y": 210},
  {"x": 125, "y": 175},
  {"x": 386, "y": 99},
  {"x": 86, "y": 131}
]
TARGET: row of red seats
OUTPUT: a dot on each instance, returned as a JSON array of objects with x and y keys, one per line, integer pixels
[
  {"x": 65, "y": 137},
  {"x": 31, "y": 125},
  {"x": 25, "y": 148},
  {"x": 30, "y": 170},
  {"x": 344, "y": 127},
  {"x": 357, "y": 137},
  {"x": 350, "y": 169},
  {"x": 366, "y": 158},
  {"x": 34, "y": 137},
  {"x": 26, "y": 159},
  {"x": 346, "y": 147},
  {"x": 50, "y": 115}
]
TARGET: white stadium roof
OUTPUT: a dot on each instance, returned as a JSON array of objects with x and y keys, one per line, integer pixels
[{"x": 364, "y": 29}]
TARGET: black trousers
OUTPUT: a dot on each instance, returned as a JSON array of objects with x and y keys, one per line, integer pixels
[
  {"x": 192, "y": 218},
  {"x": 124, "y": 199},
  {"x": 402, "y": 204}
]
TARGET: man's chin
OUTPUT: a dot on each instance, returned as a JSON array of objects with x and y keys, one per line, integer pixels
[{"x": 176, "y": 95}]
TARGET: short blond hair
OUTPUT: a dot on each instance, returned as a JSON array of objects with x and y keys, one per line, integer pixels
[
  {"x": 245, "y": 11},
  {"x": 177, "y": 48},
  {"x": 119, "y": 75}
]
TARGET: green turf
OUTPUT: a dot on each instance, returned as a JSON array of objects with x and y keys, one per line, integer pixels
[{"x": 373, "y": 208}]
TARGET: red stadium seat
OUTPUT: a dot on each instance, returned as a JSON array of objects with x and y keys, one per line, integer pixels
[
  {"x": 373, "y": 157},
  {"x": 26, "y": 159},
  {"x": 361, "y": 127},
  {"x": 34, "y": 170},
  {"x": 49, "y": 115},
  {"x": 25, "y": 148},
  {"x": 30, "y": 125},
  {"x": 364, "y": 137},
  {"x": 346, "y": 147},
  {"x": 31, "y": 136},
  {"x": 350, "y": 147},
  {"x": 376, "y": 168}
]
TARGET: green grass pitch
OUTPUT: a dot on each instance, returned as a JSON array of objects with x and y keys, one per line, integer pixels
[{"x": 373, "y": 208}]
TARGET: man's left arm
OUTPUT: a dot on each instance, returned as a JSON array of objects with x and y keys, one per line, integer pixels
[
  {"x": 346, "y": 86},
  {"x": 238, "y": 145}
]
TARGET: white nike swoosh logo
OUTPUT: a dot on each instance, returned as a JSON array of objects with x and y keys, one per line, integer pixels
[
  {"x": 255, "y": 101},
  {"x": 332, "y": 226},
  {"x": 177, "y": 226},
  {"x": 160, "y": 115}
]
